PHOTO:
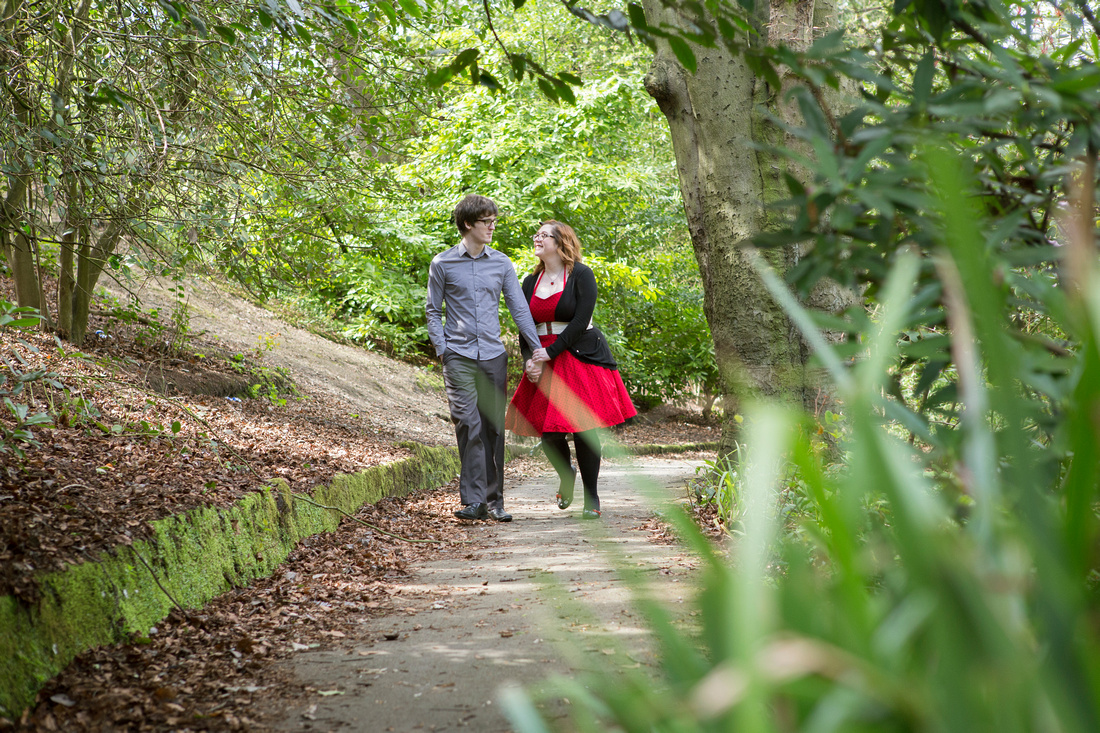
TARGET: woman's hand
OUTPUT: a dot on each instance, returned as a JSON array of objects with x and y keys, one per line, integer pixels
[
  {"x": 533, "y": 370},
  {"x": 539, "y": 355}
]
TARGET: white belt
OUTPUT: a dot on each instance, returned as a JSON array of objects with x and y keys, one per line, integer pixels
[{"x": 553, "y": 327}]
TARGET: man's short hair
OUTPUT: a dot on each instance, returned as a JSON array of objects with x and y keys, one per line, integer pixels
[{"x": 470, "y": 209}]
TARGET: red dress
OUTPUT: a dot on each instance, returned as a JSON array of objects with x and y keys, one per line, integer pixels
[{"x": 571, "y": 395}]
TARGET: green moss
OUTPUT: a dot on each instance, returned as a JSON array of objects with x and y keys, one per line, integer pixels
[
  {"x": 429, "y": 381},
  {"x": 196, "y": 557}
]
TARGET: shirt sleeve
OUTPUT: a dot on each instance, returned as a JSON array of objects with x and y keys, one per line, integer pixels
[
  {"x": 517, "y": 306},
  {"x": 434, "y": 308}
]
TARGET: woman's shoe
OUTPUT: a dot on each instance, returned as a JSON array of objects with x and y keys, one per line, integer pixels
[
  {"x": 565, "y": 489},
  {"x": 590, "y": 514}
]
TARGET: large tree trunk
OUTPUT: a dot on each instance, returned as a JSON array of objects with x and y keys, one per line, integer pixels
[{"x": 715, "y": 117}]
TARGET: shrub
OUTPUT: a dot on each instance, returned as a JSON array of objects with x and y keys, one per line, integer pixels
[
  {"x": 933, "y": 615},
  {"x": 15, "y": 378}
]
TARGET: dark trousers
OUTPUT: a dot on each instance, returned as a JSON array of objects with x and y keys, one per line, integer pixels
[
  {"x": 589, "y": 453},
  {"x": 475, "y": 390}
]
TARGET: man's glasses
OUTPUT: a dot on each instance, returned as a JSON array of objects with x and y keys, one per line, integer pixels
[{"x": 490, "y": 221}]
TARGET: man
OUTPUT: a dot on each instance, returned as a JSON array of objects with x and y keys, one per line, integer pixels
[{"x": 468, "y": 279}]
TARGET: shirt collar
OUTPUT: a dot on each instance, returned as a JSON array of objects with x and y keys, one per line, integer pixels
[{"x": 463, "y": 251}]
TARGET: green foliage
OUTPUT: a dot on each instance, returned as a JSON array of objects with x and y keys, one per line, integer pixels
[
  {"x": 224, "y": 130},
  {"x": 602, "y": 165},
  {"x": 273, "y": 384},
  {"x": 721, "y": 483},
  {"x": 657, "y": 329},
  {"x": 383, "y": 307},
  {"x": 304, "y": 147},
  {"x": 991, "y": 90},
  {"x": 15, "y": 378},
  {"x": 929, "y": 615}
]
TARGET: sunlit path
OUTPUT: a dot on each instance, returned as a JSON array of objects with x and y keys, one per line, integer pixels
[{"x": 495, "y": 616}]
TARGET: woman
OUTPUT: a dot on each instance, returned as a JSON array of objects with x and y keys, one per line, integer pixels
[{"x": 579, "y": 390}]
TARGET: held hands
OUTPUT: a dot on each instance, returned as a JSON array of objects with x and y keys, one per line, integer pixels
[
  {"x": 533, "y": 370},
  {"x": 539, "y": 355}
]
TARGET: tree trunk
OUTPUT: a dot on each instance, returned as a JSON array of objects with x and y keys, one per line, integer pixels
[
  {"x": 20, "y": 258},
  {"x": 715, "y": 117},
  {"x": 14, "y": 244},
  {"x": 71, "y": 222},
  {"x": 89, "y": 266},
  {"x": 66, "y": 282}
]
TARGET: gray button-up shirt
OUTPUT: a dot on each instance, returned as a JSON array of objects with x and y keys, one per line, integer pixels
[{"x": 471, "y": 289}]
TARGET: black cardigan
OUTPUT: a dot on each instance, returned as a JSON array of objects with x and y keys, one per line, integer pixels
[{"x": 575, "y": 307}]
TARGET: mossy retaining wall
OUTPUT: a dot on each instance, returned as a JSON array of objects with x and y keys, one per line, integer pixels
[{"x": 196, "y": 556}]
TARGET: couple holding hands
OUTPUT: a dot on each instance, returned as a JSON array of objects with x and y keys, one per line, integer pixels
[{"x": 571, "y": 384}]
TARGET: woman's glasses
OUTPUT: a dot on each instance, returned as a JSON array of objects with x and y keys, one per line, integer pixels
[{"x": 542, "y": 235}]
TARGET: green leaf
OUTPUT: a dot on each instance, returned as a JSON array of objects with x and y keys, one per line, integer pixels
[
  {"x": 922, "y": 79},
  {"x": 548, "y": 89},
  {"x": 571, "y": 79},
  {"x": 169, "y": 8},
  {"x": 464, "y": 59},
  {"x": 794, "y": 185},
  {"x": 198, "y": 24},
  {"x": 226, "y": 33},
  {"x": 438, "y": 77},
  {"x": 387, "y": 9},
  {"x": 519, "y": 64},
  {"x": 412, "y": 8},
  {"x": 1065, "y": 55},
  {"x": 265, "y": 20},
  {"x": 488, "y": 81},
  {"x": 176, "y": 426},
  {"x": 1076, "y": 81},
  {"x": 813, "y": 117},
  {"x": 565, "y": 92},
  {"x": 683, "y": 53},
  {"x": 517, "y": 4},
  {"x": 352, "y": 27},
  {"x": 22, "y": 322},
  {"x": 303, "y": 32}
]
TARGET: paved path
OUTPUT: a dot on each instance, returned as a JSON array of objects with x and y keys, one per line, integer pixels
[{"x": 542, "y": 597}]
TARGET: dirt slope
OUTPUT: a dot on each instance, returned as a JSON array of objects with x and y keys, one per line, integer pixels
[{"x": 397, "y": 398}]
